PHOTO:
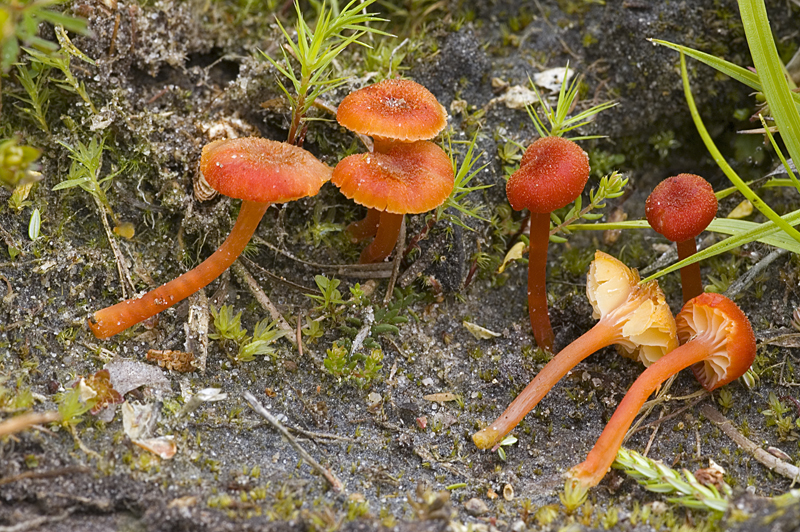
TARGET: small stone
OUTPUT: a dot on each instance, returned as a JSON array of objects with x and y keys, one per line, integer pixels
[{"x": 475, "y": 507}]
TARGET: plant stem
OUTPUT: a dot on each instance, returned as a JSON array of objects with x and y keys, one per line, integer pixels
[
  {"x": 601, "y": 335},
  {"x": 116, "y": 318},
  {"x": 537, "y": 289},
  {"x": 591, "y": 471}
]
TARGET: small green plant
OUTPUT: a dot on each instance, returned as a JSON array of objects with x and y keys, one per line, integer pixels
[
  {"x": 610, "y": 186},
  {"x": 655, "y": 476},
  {"x": 34, "y": 80},
  {"x": 227, "y": 325},
  {"x": 330, "y": 297},
  {"x": 61, "y": 62},
  {"x": 573, "y": 497},
  {"x": 264, "y": 335},
  {"x": 314, "y": 50},
  {"x": 507, "y": 441},
  {"x": 558, "y": 118},
  {"x": 85, "y": 170},
  {"x": 344, "y": 365},
  {"x": 17, "y": 163},
  {"x": 229, "y": 328},
  {"x": 20, "y": 21},
  {"x": 72, "y": 408}
]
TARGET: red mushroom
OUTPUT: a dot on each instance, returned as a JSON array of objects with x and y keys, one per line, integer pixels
[
  {"x": 553, "y": 173},
  {"x": 680, "y": 208},
  {"x": 633, "y": 316},
  {"x": 718, "y": 343},
  {"x": 391, "y": 111},
  {"x": 257, "y": 170},
  {"x": 408, "y": 178}
]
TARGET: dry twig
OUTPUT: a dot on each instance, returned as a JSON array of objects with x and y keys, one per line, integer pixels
[{"x": 335, "y": 483}]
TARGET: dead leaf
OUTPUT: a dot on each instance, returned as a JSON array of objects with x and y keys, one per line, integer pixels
[{"x": 481, "y": 333}]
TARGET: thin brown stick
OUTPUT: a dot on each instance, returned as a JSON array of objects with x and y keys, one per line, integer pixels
[
  {"x": 342, "y": 268},
  {"x": 320, "y": 435},
  {"x": 25, "y": 421},
  {"x": 242, "y": 273},
  {"x": 36, "y": 522},
  {"x": 335, "y": 483},
  {"x": 773, "y": 463},
  {"x": 52, "y": 473}
]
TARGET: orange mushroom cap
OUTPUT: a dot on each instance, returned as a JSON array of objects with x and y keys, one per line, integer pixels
[
  {"x": 406, "y": 179},
  {"x": 552, "y": 173},
  {"x": 723, "y": 325},
  {"x": 681, "y": 207},
  {"x": 398, "y": 109},
  {"x": 261, "y": 170}
]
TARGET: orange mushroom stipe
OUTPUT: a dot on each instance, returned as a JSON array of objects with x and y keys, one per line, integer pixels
[
  {"x": 408, "y": 178},
  {"x": 680, "y": 208},
  {"x": 633, "y": 316},
  {"x": 718, "y": 343},
  {"x": 260, "y": 172},
  {"x": 552, "y": 173}
]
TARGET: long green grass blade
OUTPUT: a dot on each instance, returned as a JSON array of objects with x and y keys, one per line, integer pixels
[{"x": 771, "y": 73}]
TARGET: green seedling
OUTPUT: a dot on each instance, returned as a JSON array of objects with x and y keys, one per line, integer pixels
[
  {"x": 264, "y": 335},
  {"x": 34, "y": 81},
  {"x": 227, "y": 325},
  {"x": 314, "y": 50}
]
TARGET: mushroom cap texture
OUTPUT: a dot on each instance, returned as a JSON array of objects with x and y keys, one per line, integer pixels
[
  {"x": 552, "y": 173},
  {"x": 261, "y": 170},
  {"x": 716, "y": 320},
  {"x": 647, "y": 328},
  {"x": 681, "y": 207},
  {"x": 398, "y": 109},
  {"x": 408, "y": 178}
]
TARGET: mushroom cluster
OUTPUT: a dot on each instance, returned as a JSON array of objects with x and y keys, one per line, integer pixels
[
  {"x": 405, "y": 173},
  {"x": 634, "y": 317}
]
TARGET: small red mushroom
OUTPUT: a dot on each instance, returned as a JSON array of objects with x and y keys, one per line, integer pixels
[
  {"x": 635, "y": 317},
  {"x": 719, "y": 345},
  {"x": 552, "y": 174},
  {"x": 680, "y": 208},
  {"x": 257, "y": 170},
  {"x": 407, "y": 178}
]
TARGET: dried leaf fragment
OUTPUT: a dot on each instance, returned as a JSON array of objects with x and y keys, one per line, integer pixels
[{"x": 481, "y": 333}]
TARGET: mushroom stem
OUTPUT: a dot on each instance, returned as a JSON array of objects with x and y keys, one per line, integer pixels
[
  {"x": 366, "y": 227},
  {"x": 537, "y": 271},
  {"x": 591, "y": 471},
  {"x": 691, "y": 283},
  {"x": 116, "y": 318},
  {"x": 601, "y": 335},
  {"x": 385, "y": 240}
]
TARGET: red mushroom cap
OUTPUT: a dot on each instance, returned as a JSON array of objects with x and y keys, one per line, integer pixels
[
  {"x": 406, "y": 179},
  {"x": 717, "y": 320},
  {"x": 552, "y": 174},
  {"x": 261, "y": 170},
  {"x": 398, "y": 109},
  {"x": 681, "y": 207}
]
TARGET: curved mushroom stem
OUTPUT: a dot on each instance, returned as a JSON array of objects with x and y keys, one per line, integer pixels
[
  {"x": 598, "y": 337},
  {"x": 385, "y": 240},
  {"x": 366, "y": 227},
  {"x": 537, "y": 289},
  {"x": 691, "y": 283},
  {"x": 593, "y": 469},
  {"x": 116, "y": 318}
]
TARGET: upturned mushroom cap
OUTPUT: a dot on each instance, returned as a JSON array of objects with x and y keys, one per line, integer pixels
[
  {"x": 398, "y": 109},
  {"x": 681, "y": 207},
  {"x": 408, "y": 178},
  {"x": 552, "y": 173},
  {"x": 728, "y": 334},
  {"x": 648, "y": 328},
  {"x": 261, "y": 170}
]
